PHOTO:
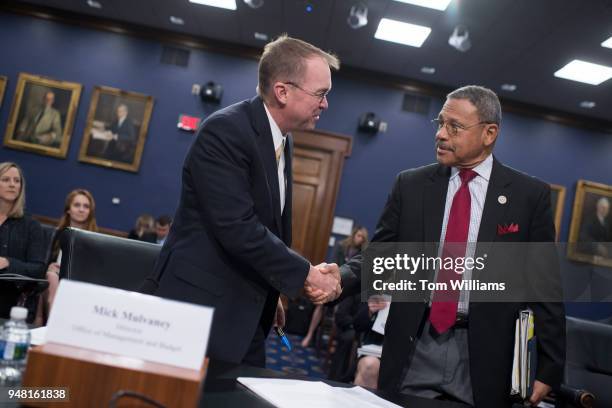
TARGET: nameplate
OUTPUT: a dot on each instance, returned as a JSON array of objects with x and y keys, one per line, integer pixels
[{"x": 129, "y": 324}]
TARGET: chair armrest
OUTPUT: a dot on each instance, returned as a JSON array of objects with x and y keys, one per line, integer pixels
[{"x": 575, "y": 397}]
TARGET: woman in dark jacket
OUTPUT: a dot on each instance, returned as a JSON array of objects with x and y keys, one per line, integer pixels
[{"x": 22, "y": 246}]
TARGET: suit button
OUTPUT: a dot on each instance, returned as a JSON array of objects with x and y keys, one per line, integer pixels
[{"x": 411, "y": 339}]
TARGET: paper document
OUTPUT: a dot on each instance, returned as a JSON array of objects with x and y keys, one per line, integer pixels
[
  {"x": 370, "y": 350},
  {"x": 525, "y": 355},
  {"x": 284, "y": 393},
  {"x": 38, "y": 336},
  {"x": 381, "y": 317}
]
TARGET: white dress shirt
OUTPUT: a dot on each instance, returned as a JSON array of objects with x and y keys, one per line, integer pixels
[
  {"x": 279, "y": 140},
  {"x": 478, "y": 192}
]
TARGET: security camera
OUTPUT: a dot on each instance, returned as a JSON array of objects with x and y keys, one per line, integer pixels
[
  {"x": 460, "y": 39},
  {"x": 358, "y": 16}
]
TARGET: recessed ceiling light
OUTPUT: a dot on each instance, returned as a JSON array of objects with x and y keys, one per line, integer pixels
[
  {"x": 587, "y": 104},
  {"x": 508, "y": 87},
  {"x": 177, "y": 20},
  {"x": 94, "y": 4},
  {"x": 428, "y": 70},
  {"x": 402, "y": 33},
  {"x": 432, "y": 4},
  {"x": 225, "y": 4},
  {"x": 586, "y": 72},
  {"x": 260, "y": 36},
  {"x": 607, "y": 43}
]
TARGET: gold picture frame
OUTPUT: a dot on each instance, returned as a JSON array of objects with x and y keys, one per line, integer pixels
[
  {"x": 591, "y": 226},
  {"x": 557, "y": 200},
  {"x": 116, "y": 128},
  {"x": 42, "y": 115},
  {"x": 3, "y": 81}
]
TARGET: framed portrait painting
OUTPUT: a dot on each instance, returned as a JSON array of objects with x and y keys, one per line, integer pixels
[
  {"x": 116, "y": 128},
  {"x": 590, "y": 238},
  {"x": 557, "y": 199},
  {"x": 42, "y": 115},
  {"x": 3, "y": 81}
]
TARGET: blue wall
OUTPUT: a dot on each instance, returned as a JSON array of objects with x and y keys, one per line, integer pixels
[{"x": 555, "y": 153}]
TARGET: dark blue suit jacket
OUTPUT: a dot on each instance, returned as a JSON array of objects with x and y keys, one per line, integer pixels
[{"x": 229, "y": 244}]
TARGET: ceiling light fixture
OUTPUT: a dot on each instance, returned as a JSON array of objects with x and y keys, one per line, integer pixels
[
  {"x": 432, "y": 4},
  {"x": 587, "y": 104},
  {"x": 94, "y": 4},
  {"x": 177, "y": 20},
  {"x": 586, "y": 72},
  {"x": 428, "y": 70},
  {"x": 254, "y": 4},
  {"x": 508, "y": 87},
  {"x": 402, "y": 33},
  {"x": 260, "y": 36},
  {"x": 224, "y": 4}
]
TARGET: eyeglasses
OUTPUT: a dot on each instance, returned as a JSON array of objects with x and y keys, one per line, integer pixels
[
  {"x": 319, "y": 95},
  {"x": 453, "y": 128}
]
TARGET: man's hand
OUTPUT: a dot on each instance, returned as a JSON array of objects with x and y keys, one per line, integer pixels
[
  {"x": 279, "y": 318},
  {"x": 323, "y": 283},
  {"x": 46, "y": 138},
  {"x": 4, "y": 263},
  {"x": 376, "y": 304},
  {"x": 540, "y": 390}
]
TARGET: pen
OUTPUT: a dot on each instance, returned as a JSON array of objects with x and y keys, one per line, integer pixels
[{"x": 283, "y": 337}]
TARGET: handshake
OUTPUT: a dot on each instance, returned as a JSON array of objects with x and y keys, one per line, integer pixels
[{"x": 323, "y": 283}]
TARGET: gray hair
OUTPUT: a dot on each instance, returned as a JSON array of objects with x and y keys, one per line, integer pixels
[{"x": 485, "y": 100}]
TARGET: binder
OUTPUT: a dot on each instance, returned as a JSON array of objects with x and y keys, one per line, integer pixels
[{"x": 525, "y": 356}]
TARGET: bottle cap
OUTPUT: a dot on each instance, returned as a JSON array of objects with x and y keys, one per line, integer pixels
[{"x": 19, "y": 313}]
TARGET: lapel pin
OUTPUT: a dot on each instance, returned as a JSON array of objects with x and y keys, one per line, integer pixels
[{"x": 502, "y": 199}]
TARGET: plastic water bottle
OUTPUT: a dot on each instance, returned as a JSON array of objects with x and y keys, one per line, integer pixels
[{"x": 14, "y": 344}]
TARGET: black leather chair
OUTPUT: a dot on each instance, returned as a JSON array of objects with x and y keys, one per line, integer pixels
[
  {"x": 588, "y": 363},
  {"x": 105, "y": 259},
  {"x": 48, "y": 233}
]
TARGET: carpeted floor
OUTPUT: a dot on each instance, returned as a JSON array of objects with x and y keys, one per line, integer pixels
[{"x": 300, "y": 360}]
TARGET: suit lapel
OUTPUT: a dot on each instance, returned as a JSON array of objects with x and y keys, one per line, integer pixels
[
  {"x": 434, "y": 200},
  {"x": 493, "y": 212},
  {"x": 266, "y": 150},
  {"x": 286, "y": 217}
]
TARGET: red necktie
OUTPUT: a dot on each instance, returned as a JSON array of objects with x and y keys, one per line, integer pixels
[{"x": 444, "y": 306}]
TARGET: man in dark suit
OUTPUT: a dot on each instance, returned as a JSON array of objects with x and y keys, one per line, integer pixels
[
  {"x": 229, "y": 244},
  {"x": 461, "y": 350},
  {"x": 597, "y": 232},
  {"x": 123, "y": 145}
]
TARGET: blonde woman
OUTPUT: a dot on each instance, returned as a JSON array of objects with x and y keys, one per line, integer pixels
[{"x": 22, "y": 246}]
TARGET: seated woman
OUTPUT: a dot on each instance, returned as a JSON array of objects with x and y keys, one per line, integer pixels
[
  {"x": 144, "y": 230},
  {"x": 79, "y": 212},
  {"x": 22, "y": 247}
]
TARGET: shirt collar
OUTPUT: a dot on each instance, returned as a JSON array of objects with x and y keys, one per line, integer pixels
[
  {"x": 483, "y": 169},
  {"x": 277, "y": 135}
]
